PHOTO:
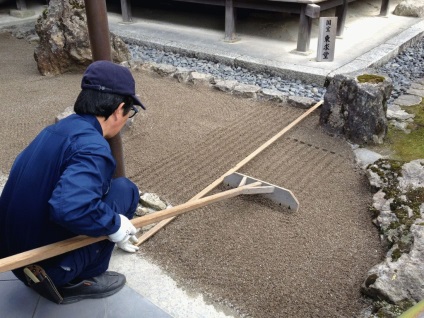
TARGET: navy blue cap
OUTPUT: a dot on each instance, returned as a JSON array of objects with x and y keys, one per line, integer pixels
[{"x": 108, "y": 77}]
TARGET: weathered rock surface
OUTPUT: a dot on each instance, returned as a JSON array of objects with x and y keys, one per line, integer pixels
[
  {"x": 365, "y": 157},
  {"x": 64, "y": 43},
  {"x": 199, "y": 78},
  {"x": 163, "y": 69},
  {"x": 410, "y": 8},
  {"x": 301, "y": 102},
  {"x": 357, "y": 110},
  {"x": 397, "y": 113},
  {"x": 150, "y": 203},
  {"x": 399, "y": 214},
  {"x": 246, "y": 91},
  {"x": 225, "y": 85},
  {"x": 412, "y": 176},
  {"x": 273, "y": 95},
  {"x": 401, "y": 280}
]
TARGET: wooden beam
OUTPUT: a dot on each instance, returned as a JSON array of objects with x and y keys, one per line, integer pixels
[{"x": 313, "y": 11}]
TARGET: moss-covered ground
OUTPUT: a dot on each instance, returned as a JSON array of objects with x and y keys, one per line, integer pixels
[
  {"x": 402, "y": 146},
  {"x": 407, "y": 147}
]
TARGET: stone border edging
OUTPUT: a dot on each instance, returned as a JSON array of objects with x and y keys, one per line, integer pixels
[{"x": 228, "y": 86}]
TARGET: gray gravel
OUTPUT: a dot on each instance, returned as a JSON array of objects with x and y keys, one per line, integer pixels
[
  {"x": 403, "y": 69},
  {"x": 406, "y": 67}
]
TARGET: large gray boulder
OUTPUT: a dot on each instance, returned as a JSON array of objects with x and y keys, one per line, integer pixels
[
  {"x": 355, "y": 106},
  {"x": 64, "y": 43},
  {"x": 401, "y": 280},
  {"x": 410, "y": 8}
]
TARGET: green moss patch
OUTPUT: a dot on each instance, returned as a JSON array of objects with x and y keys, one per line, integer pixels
[
  {"x": 384, "y": 309},
  {"x": 408, "y": 147},
  {"x": 370, "y": 78}
]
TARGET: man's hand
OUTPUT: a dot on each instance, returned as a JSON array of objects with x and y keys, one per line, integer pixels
[
  {"x": 125, "y": 236},
  {"x": 128, "y": 245}
]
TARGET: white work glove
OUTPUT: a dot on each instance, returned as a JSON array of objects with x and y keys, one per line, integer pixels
[
  {"x": 125, "y": 236},
  {"x": 128, "y": 245}
]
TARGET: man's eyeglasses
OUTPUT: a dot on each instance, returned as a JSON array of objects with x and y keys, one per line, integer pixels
[{"x": 133, "y": 111}]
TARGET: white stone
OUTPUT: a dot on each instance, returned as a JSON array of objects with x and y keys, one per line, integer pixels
[
  {"x": 182, "y": 74},
  {"x": 153, "y": 201},
  {"x": 374, "y": 179},
  {"x": 163, "y": 69},
  {"x": 403, "y": 279},
  {"x": 399, "y": 115},
  {"x": 401, "y": 125},
  {"x": 246, "y": 91},
  {"x": 380, "y": 200},
  {"x": 199, "y": 78},
  {"x": 410, "y": 99},
  {"x": 393, "y": 107},
  {"x": 364, "y": 157},
  {"x": 412, "y": 175},
  {"x": 409, "y": 210},
  {"x": 226, "y": 86},
  {"x": 273, "y": 95}
]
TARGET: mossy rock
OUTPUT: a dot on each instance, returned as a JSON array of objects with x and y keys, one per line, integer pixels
[{"x": 384, "y": 309}]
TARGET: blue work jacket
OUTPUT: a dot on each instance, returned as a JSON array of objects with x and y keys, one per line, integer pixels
[{"x": 56, "y": 185}]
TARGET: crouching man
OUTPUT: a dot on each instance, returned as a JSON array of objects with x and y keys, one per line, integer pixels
[{"x": 62, "y": 185}]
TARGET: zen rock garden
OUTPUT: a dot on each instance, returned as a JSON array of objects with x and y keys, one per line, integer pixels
[{"x": 355, "y": 107}]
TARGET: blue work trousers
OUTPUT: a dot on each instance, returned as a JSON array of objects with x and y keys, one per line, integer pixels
[{"x": 92, "y": 260}]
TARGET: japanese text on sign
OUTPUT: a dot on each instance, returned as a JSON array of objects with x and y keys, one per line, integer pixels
[{"x": 326, "y": 39}]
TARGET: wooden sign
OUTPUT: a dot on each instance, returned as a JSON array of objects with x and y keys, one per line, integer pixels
[{"x": 326, "y": 39}]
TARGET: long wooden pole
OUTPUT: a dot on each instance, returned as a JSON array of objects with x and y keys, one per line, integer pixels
[
  {"x": 218, "y": 181},
  {"x": 163, "y": 217},
  {"x": 58, "y": 248}
]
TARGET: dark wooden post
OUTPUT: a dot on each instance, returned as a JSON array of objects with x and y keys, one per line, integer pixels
[
  {"x": 126, "y": 10},
  {"x": 384, "y": 10},
  {"x": 21, "y": 4},
  {"x": 230, "y": 17},
  {"x": 341, "y": 12},
  {"x": 98, "y": 33},
  {"x": 304, "y": 36},
  {"x": 307, "y": 13}
]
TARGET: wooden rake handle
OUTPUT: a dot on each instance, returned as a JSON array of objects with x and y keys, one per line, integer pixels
[
  {"x": 58, "y": 248},
  {"x": 218, "y": 181}
]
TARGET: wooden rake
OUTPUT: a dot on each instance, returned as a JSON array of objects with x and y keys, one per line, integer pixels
[
  {"x": 240, "y": 183},
  {"x": 248, "y": 186}
]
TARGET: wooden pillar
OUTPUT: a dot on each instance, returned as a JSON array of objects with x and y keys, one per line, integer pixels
[
  {"x": 384, "y": 7},
  {"x": 230, "y": 21},
  {"x": 99, "y": 35},
  {"x": 21, "y": 4},
  {"x": 341, "y": 12},
  {"x": 126, "y": 10},
  {"x": 305, "y": 26}
]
